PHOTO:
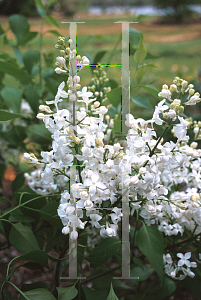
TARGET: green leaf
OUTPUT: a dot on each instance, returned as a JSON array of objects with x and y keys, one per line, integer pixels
[
  {"x": 98, "y": 58},
  {"x": 117, "y": 126},
  {"x": 141, "y": 101},
  {"x": 3, "y": 39},
  {"x": 37, "y": 284},
  {"x": 30, "y": 59},
  {"x": 7, "y": 200},
  {"x": 22, "y": 238},
  {"x": 39, "y": 3},
  {"x": 112, "y": 295},
  {"x": 27, "y": 37},
  {"x": 38, "y": 294},
  {"x": 18, "y": 25},
  {"x": 68, "y": 293},
  {"x": 38, "y": 256},
  {"x": 32, "y": 96},
  {"x": 11, "y": 68},
  {"x": 1, "y": 30},
  {"x": 114, "y": 96},
  {"x": 103, "y": 283},
  {"x": 103, "y": 251},
  {"x": 167, "y": 288},
  {"x": 113, "y": 84},
  {"x": 26, "y": 194},
  {"x": 15, "y": 135},
  {"x": 141, "y": 273},
  {"x": 135, "y": 37},
  {"x": 38, "y": 133},
  {"x": 18, "y": 53},
  {"x": 18, "y": 182},
  {"x": 33, "y": 266},
  {"x": 150, "y": 242},
  {"x": 18, "y": 216},
  {"x": 40, "y": 8},
  {"x": 140, "y": 74},
  {"x": 5, "y": 115},
  {"x": 151, "y": 56},
  {"x": 94, "y": 294},
  {"x": 150, "y": 65},
  {"x": 112, "y": 111},
  {"x": 49, "y": 213},
  {"x": 138, "y": 262},
  {"x": 49, "y": 59},
  {"x": 141, "y": 52},
  {"x": 151, "y": 89},
  {"x": 55, "y": 32},
  {"x": 51, "y": 20},
  {"x": 7, "y": 295},
  {"x": 12, "y": 97},
  {"x": 192, "y": 285}
]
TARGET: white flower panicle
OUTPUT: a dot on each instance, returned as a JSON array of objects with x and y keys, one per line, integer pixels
[{"x": 163, "y": 178}]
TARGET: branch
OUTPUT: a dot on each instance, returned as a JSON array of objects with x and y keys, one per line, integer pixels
[
  {"x": 101, "y": 274},
  {"x": 57, "y": 272}
]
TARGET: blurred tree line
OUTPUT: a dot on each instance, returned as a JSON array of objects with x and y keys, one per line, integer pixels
[{"x": 177, "y": 11}]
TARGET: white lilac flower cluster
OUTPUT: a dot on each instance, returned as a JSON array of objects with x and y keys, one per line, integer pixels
[
  {"x": 179, "y": 269},
  {"x": 163, "y": 178}
]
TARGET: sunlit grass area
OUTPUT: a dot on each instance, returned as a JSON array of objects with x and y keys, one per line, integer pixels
[{"x": 177, "y": 48}]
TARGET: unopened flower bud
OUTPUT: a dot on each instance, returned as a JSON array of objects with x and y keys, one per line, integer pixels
[
  {"x": 65, "y": 230},
  {"x": 57, "y": 46},
  {"x": 42, "y": 116},
  {"x": 195, "y": 198},
  {"x": 61, "y": 61},
  {"x": 142, "y": 170},
  {"x": 59, "y": 70},
  {"x": 194, "y": 145},
  {"x": 96, "y": 104},
  {"x": 191, "y": 92},
  {"x": 72, "y": 97},
  {"x": 173, "y": 88},
  {"x": 121, "y": 154},
  {"x": 134, "y": 179},
  {"x": 196, "y": 130},
  {"x": 99, "y": 142},
  {"x": 181, "y": 109},
  {"x": 180, "y": 205},
  {"x": 67, "y": 50},
  {"x": 85, "y": 61},
  {"x": 177, "y": 101},
  {"x": 184, "y": 83},
  {"x": 111, "y": 124},
  {"x": 45, "y": 108},
  {"x": 26, "y": 156},
  {"x": 73, "y": 235},
  {"x": 76, "y": 79},
  {"x": 171, "y": 114}
]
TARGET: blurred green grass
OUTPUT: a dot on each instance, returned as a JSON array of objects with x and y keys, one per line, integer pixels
[{"x": 175, "y": 58}]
